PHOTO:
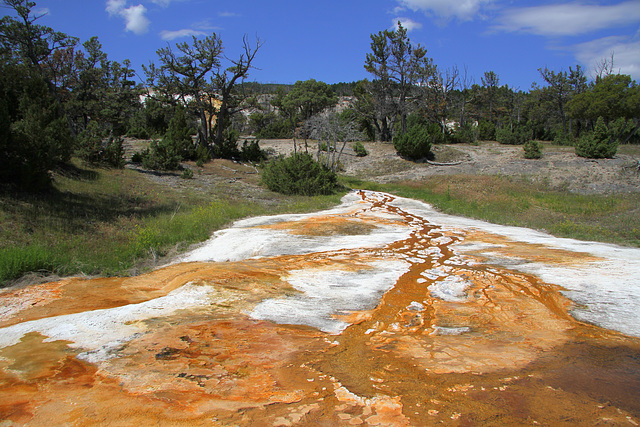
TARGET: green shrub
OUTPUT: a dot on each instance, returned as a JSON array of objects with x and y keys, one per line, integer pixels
[
  {"x": 251, "y": 152},
  {"x": 518, "y": 136},
  {"x": 176, "y": 145},
  {"x": 137, "y": 158},
  {"x": 486, "y": 130},
  {"x": 466, "y": 134},
  {"x": 599, "y": 144},
  {"x": 415, "y": 144},
  {"x": 228, "y": 148},
  {"x": 93, "y": 149},
  {"x": 179, "y": 135},
  {"x": 279, "y": 129},
  {"x": 113, "y": 153},
  {"x": 90, "y": 143},
  {"x": 187, "y": 174},
  {"x": 299, "y": 174},
  {"x": 438, "y": 134},
  {"x": 202, "y": 154},
  {"x": 138, "y": 132},
  {"x": 561, "y": 138},
  {"x": 532, "y": 149},
  {"x": 359, "y": 149},
  {"x": 161, "y": 155}
]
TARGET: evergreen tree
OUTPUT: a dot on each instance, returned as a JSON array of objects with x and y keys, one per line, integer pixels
[
  {"x": 35, "y": 135},
  {"x": 599, "y": 144}
]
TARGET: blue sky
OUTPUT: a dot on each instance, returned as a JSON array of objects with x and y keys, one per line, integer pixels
[{"x": 328, "y": 40}]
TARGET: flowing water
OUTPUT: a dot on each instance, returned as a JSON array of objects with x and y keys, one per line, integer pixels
[{"x": 379, "y": 312}]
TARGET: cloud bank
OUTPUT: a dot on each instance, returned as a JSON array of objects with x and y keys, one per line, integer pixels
[
  {"x": 626, "y": 54},
  {"x": 568, "y": 19},
  {"x": 579, "y": 19},
  {"x": 463, "y": 10},
  {"x": 172, "y": 35}
]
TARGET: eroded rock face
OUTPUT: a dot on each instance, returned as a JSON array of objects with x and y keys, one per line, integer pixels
[{"x": 378, "y": 312}]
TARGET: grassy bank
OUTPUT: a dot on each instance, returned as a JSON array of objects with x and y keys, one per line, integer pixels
[
  {"x": 114, "y": 222},
  {"x": 119, "y": 222},
  {"x": 511, "y": 201}
]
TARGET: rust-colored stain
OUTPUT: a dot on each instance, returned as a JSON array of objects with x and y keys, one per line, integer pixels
[
  {"x": 330, "y": 225},
  {"x": 506, "y": 353},
  {"x": 527, "y": 251}
]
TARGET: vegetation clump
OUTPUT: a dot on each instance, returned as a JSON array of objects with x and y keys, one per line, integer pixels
[
  {"x": 359, "y": 149},
  {"x": 251, "y": 152},
  {"x": 599, "y": 144},
  {"x": 466, "y": 134},
  {"x": 415, "y": 144},
  {"x": 299, "y": 174},
  {"x": 517, "y": 135},
  {"x": 532, "y": 149},
  {"x": 95, "y": 149}
]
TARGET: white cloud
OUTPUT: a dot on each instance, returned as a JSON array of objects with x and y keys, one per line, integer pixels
[
  {"x": 407, "y": 23},
  {"x": 134, "y": 16},
  {"x": 41, "y": 11},
  {"x": 115, "y": 7},
  {"x": 135, "y": 19},
  {"x": 163, "y": 3},
  {"x": 464, "y": 10},
  {"x": 626, "y": 54},
  {"x": 228, "y": 15},
  {"x": 172, "y": 35},
  {"x": 569, "y": 18}
]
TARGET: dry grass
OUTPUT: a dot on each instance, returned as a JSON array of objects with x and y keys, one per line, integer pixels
[{"x": 515, "y": 201}]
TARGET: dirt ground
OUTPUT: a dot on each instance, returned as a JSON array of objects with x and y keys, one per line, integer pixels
[{"x": 559, "y": 167}]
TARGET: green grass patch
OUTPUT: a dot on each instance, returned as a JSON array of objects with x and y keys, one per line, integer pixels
[
  {"x": 509, "y": 201},
  {"x": 108, "y": 222}
]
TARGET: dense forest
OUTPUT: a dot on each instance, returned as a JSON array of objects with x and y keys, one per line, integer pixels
[{"x": 63, "y": 98}]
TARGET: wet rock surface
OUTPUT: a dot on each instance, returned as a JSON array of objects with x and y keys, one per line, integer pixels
[{"x": 378, "y": 312}]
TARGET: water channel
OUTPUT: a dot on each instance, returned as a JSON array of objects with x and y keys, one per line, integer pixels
[{"x": 381, "y": 311}]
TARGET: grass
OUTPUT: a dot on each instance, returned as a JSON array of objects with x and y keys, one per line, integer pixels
[
  {"x": 112, "y": 222},
  {"x": 116, "y": 222},
  {"x": 510, "y": 201}
]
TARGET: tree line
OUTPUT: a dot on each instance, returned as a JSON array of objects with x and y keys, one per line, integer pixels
[{"x": 61, "y": 99}]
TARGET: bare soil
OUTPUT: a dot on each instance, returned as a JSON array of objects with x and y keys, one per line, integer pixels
[{"x": 559, "y": 168}]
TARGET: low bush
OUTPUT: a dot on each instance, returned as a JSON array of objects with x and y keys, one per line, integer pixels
[
  {"x": 137, "y": 157},
  {"x": 94, "y": 149},
  {"x": 228, "y": 148},
  {"x": 161, "y": 155},
  {"x": 561, "y": 138},
  {"x": 415, "y": 144},
  {"x": 486, "y": 130},
  {"x": 599, "y": 144},
  {"x": 466, "y": 134},
  {"x": 251, "y": 152},
  {"x": 359, "y": 149},
  {"x": 532, "y": 149},
  {"x": 516, "y": 136},
  {"x": 275, "y": 130},
  {"x": 138, "y": 132},
  {"x": 299, "y": 174},
  {"x": 187, "y": 174}
]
